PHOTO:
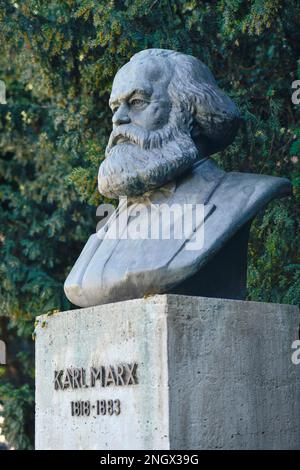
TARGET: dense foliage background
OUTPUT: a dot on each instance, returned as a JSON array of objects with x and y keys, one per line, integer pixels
[{"x": 58, "y": 59}]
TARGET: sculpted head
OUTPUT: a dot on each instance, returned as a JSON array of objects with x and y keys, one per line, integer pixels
[{"x": 168, "y": 112}]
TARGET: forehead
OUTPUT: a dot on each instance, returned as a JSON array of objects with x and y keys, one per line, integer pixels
[{"x": 151, "y": 75}]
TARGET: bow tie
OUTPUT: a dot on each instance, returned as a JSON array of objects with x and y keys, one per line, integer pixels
[{"x": 154, "y": 196}]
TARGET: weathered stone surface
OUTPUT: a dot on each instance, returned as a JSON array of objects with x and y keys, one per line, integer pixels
[{"x": 211, "y": 373}]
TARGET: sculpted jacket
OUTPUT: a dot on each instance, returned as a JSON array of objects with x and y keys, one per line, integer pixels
[{"x": 115, "y": 269}]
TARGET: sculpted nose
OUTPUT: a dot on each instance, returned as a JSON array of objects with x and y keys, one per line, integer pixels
[{"x": 121, "y": 116}]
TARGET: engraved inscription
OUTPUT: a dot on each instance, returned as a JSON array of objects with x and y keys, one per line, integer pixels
[
  {"x": 103, "y": 376},
  {"x": 101, "y": 407}
]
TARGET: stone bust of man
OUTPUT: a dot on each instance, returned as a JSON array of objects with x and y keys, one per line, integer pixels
[{"x": 169, "y": 117}]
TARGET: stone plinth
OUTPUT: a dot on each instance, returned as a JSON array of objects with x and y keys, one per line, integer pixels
[{"x": 168, "y": 372}]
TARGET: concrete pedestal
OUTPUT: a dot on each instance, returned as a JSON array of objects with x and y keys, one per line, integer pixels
[{"x": 168, "y": 372}]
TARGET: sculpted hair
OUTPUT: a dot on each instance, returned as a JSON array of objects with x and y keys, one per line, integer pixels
[{"x": 211, "y": 116}]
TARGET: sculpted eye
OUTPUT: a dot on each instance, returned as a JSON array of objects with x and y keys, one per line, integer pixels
[
  {"x": 137, "y": 102},
  {"x": 115, "y": 109}
]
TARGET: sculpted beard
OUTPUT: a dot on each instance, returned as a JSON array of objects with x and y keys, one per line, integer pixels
[{"x": 138, "y": 161}]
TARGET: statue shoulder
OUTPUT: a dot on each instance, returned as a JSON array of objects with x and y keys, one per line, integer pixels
[
  {"x": 233, "y": 187},
  {"x": 242, "y": 195},
  {"x": 256, "y": 186}
]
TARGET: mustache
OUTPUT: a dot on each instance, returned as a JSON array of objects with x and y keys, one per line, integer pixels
[
  {"x": 131, "y": 170},
  {"x": 145, "y": 139}
]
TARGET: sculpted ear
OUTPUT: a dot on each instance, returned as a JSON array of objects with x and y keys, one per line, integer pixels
[
  {"x": 215, "y": 119},
  {"x": 202, "y": 142},
  {"x": 214, "y": 116}
]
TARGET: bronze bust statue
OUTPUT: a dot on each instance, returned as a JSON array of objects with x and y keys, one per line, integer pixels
[{"x": 169, "y": 117}]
